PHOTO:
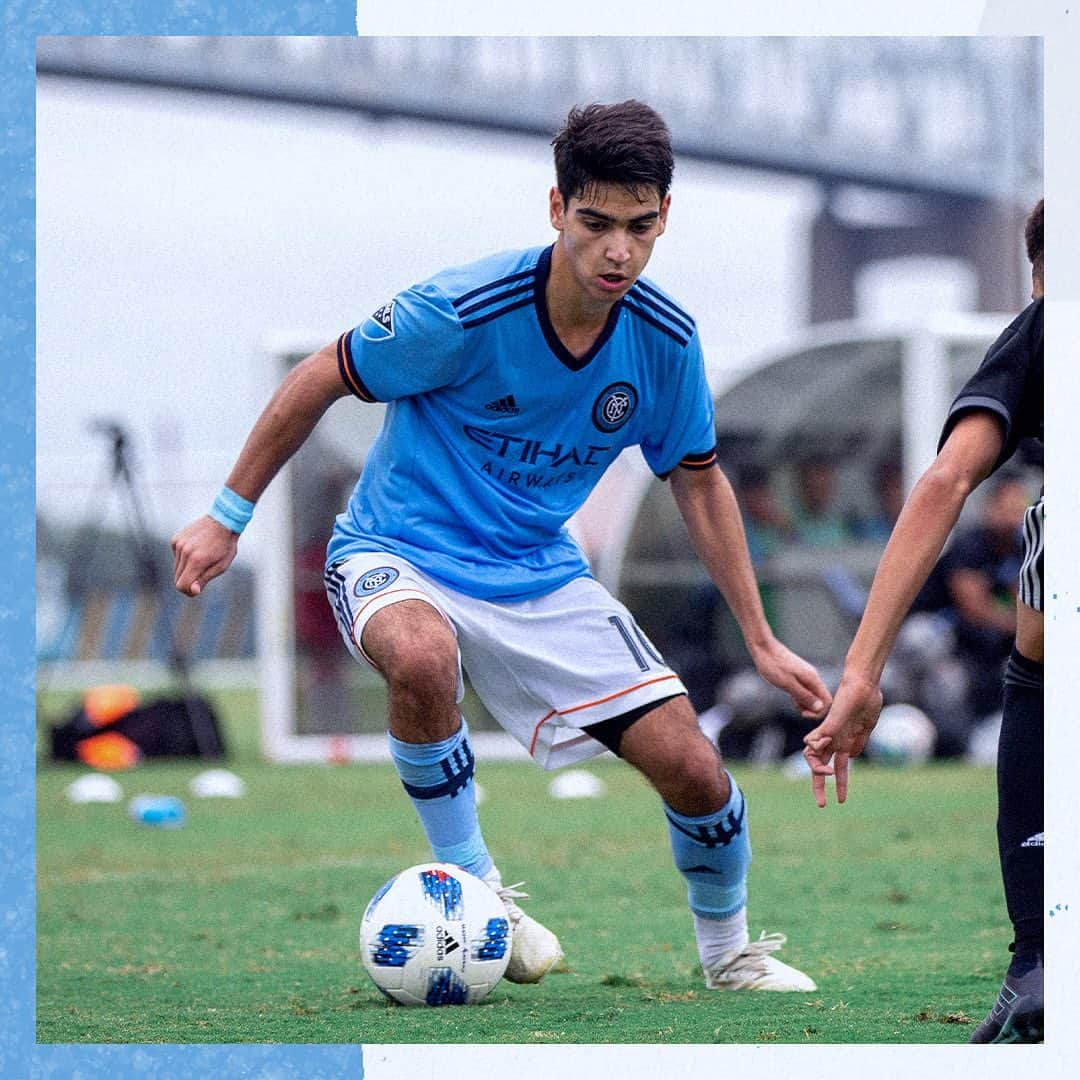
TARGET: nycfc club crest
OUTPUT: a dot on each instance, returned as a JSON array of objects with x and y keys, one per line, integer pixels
[
  {"x": 614, "y": 406},
  {"x": 380, "y": 325},
  {"x": 376, "y": 579}
]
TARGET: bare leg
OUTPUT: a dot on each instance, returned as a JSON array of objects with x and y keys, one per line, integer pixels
[
  {"x": 710, "y": 840},
  {"x": 669, "y": 749},
  {"x": 416, "y": 651}
]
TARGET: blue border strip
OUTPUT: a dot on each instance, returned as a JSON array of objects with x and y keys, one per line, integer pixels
[{"x": 23, "y": 21}]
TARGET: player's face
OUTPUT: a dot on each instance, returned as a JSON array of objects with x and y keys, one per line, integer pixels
[{"x": 607, "y": 236}]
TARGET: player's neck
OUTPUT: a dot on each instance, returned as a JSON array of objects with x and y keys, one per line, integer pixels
[{"x": 577, "y": 319}]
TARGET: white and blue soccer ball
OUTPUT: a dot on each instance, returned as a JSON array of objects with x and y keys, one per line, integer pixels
[
  {"x": 904, "y": 735},
  {"x": 435, "y": 935}
]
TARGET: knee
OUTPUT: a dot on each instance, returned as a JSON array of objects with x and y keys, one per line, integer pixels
[
  {"x": 693, "y": 781},
  {"x": 670, "y": 750},
  {"x": 706, "y": 779},
  {"x": 423, "y": 667},
  {"x": 417, "y": 657}
]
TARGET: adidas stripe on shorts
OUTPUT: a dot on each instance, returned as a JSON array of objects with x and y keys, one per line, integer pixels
[
  {"x": 1031, "y": 570},
  {"x": 543, "y": 667}
]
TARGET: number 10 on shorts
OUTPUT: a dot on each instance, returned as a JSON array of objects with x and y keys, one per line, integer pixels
[{"x": 635, "y": 641}]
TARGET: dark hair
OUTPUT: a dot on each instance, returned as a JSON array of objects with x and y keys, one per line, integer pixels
[
  {"x": 627, "y": 144},
  {"x": 1033, "y": 238}
]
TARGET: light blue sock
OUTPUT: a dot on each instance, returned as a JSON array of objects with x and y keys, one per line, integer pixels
[
  {"x": 438, "y": 777},
  {"x": 713, "y": 854}
]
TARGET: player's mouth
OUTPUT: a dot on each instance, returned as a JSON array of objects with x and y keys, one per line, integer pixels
[{"x": 613, "y": 282}]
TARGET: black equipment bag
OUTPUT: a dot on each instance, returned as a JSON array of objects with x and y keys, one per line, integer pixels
[{"x": 170, "y": 727}]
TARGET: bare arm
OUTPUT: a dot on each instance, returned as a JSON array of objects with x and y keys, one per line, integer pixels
[
  {"x": 205, "y": 549},
  {"x": 708, "y": 506},
  {"x": 920, "y": 533}
]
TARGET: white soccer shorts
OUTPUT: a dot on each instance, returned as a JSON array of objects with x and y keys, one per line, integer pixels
[{"x": 543, "y": 667}]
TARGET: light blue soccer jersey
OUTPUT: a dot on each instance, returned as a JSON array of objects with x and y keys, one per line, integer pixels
[{"x": 495, "y": 433}]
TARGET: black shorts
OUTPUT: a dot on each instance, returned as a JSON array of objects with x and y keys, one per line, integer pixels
[{"x": 610, "y": 732}]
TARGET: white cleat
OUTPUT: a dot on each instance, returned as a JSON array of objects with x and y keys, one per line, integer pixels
[
  {"x": 754, "y": 968},
  {"x": 534, "y": 949}
]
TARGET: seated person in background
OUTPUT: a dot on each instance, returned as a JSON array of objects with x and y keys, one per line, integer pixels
[
  {"x": 974, "y": 585},
  {"x": 816, "y": 520},
  {"x": 889, "y": 488},
  {"x": 767, "y": 525}
]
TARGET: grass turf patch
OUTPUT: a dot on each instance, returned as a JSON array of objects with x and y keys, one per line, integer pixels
[{"x": 242, "y": 925}]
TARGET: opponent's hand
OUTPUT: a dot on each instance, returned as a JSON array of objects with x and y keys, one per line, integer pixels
[
  {"x": 841, "y": 735},
  {"x": 202, "y": 551},
  {"x": 778, "y": 665}
]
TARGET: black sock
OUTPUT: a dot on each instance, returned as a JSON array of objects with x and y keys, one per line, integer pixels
[{"x": 1020, "y": 804}]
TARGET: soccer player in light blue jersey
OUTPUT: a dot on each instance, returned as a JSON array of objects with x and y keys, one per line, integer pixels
[{"x": 511, "y": 384}]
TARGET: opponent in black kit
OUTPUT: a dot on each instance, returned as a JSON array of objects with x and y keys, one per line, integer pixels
[{"x": 1001, "y": 404}]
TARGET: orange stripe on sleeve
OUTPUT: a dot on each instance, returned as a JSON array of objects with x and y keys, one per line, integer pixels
[
  {"x": 347, "y": 373},
  {"x": 702, "y": 461}
]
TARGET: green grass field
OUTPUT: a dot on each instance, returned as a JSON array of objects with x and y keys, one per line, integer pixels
[{"x": 242, "y": 925}]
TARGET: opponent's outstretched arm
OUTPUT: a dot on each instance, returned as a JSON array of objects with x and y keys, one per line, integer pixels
[
  {"x": 205, "y": 549},
  {"x": 916, "y": 542},
  {"x": 709, "y": 508}
]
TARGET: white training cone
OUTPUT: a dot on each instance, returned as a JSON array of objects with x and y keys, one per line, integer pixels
[
  {"x": 576, "y": 784},
  {"x": 94, "y": 787},
  {"x": 217, "y": 784}
]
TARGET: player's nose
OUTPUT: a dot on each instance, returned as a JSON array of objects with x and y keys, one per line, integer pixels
[{"x": 618, "y": 248}]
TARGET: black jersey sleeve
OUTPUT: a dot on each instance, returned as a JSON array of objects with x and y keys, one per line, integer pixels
[{"x": 1008, "y": 383}]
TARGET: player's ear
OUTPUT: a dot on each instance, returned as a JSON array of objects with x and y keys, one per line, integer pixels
[
  {"x": 665, "y": 202},
  {"x": 556, "y": 209}
]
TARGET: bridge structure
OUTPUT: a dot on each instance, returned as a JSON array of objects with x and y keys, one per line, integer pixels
[{"x": 949, "y": 128}]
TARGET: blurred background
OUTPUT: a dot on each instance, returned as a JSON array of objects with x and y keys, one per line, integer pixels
[{"x": 846, "y": 228}]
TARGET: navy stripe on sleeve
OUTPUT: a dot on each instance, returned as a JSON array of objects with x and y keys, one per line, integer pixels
[
  {"x": 348, "y": 371},
  {"x": 496, "y": 299},
  {"x": 664, "y": 328},
  {"x": 684, "y": 316},
  {"x": 644, "y": 295},
  {"x": 492, "y": 285},
  {"x": 481, "y": 319},
  {"x": 699, "y": 461}
]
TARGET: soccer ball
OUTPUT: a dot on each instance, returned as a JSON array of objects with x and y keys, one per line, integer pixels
[
  {"x": 435, "y": 935},
  {"x": 904, "y": 735}
]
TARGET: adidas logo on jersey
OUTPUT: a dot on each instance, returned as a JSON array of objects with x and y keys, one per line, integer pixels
[
  {"x": 507, "y": 406},
  {"x": 1033, "y": 841}
]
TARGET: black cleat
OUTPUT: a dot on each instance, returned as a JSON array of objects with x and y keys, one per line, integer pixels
[{"x": 1017, "y": 1015}]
